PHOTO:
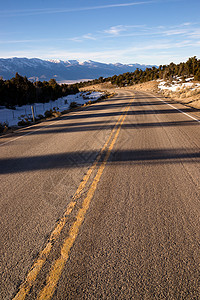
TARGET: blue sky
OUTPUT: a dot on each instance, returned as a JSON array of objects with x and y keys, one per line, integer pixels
[{"x": 146, "y": 32}]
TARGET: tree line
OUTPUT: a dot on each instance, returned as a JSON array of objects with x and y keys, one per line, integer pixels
[
  {"x": 166, "y": 72},
  {"x": 21, "y": 91}
]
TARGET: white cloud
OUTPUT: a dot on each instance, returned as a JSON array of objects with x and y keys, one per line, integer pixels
[
  {"x": 88, "y": 36},
  {"x": 187, "y": 24},
  {"x": 115, "y": 30},
  {"x": 195, "y": 34},
  {"x": 125, "y": 55},
  {"x": 23, "y": 41},
  {"x": 176, "y": 32},
  {"x": 162, "y": 53},
  {"x": 26, "y": 12},
  {"x": 187, "y": 29},
  {"x": 76, "y": 39}
]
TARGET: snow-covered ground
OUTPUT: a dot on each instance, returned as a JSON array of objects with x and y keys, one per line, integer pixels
[
  {"x": 177, "y": 84},
  {"x": 12, "y": 117}
]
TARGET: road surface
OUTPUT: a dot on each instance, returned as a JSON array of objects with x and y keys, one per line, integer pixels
[{"x": 103, "y": 203}]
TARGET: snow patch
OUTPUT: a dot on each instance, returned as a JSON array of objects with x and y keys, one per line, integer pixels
[
  {"x": 177, "y": 84},
  {"x": 12, "y": 117}
]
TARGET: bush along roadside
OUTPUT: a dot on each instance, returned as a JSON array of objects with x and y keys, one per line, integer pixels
[
  {"x": 28, "y": 120},
  {"x": 103, "y": 97},
  {"x": 3, "y": 127}
]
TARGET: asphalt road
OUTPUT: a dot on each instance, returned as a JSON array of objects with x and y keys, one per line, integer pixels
[{"x": 103, "y": 203}]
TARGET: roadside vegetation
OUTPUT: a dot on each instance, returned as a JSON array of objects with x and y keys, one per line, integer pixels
[{"x": 20, "y": 91}]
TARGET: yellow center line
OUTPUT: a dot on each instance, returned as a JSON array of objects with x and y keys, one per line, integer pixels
[
  {"x": 58, "y": 266},
  {"x": 37, "y": 265}
]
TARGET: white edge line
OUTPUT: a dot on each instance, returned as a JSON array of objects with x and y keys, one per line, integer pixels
[{"x": 178, "y": 110}]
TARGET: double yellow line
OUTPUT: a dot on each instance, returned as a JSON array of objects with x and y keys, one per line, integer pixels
[{"x": 58, "y": 265}]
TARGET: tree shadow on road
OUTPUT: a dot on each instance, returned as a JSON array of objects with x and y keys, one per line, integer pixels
[{"x": 86, "y": 158}]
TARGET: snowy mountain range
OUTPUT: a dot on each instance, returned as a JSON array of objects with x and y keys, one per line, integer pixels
[{"x": 38, "y": 69}]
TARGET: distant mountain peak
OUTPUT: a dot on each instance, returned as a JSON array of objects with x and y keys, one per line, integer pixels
[
  {"x": 62, "y": 70},
  {"x": 56, "y": 61}
]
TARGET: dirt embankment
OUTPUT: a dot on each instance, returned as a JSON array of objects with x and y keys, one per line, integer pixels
[
  {"x": 101, "y": 87},
  {"x": 151, "y": 86}
]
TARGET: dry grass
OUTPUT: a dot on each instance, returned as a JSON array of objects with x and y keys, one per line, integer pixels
[
  {"x": 189, "y": 96},
  {"x": 101, "y": 87}
]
